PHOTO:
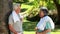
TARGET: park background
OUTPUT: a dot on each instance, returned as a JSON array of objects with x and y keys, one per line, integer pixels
[{"x": 30, "y": 10}]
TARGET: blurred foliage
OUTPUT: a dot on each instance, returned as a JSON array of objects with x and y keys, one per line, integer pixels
[
  {"x": 30, "y": 10},
  {"x": 20, "y": 1},
  {"x": 29, "y": 26},
  {"x": 58, "y": 1},
  {"x": 36, "y": 4},
  {"x": 51, "y": 5}
]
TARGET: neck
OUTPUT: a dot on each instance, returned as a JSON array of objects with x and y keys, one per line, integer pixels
[
  {"x": 42, "y": 16},
  {"x": 16, "y": 12}
]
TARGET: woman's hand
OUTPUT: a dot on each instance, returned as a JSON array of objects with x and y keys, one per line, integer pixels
[
  {"x": 39, "y": 33},
  {"x": 36, "y": 28},
  {"x": 44, "y": 32}
]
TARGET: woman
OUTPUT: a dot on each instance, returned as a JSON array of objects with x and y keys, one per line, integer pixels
[{"x": 45, "y": 24}]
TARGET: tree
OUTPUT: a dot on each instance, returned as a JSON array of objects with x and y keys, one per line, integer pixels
[
  {"x": 58, "y": 9},
  {"x": 20, "y": 1},
  {"x": 5, "y": 7}
]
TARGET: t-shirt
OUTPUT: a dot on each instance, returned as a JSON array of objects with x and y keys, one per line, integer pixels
[{"x": 17, "y": 26}]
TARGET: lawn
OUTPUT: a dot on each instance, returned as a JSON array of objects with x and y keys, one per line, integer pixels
[
  {"x": 28, "y": 29},
  {"x": 33, "y": 32}
]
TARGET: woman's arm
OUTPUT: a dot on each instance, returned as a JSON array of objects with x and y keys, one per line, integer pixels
[{"x": 46, "y": 31}]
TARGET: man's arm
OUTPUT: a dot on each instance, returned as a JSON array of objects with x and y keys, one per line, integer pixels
[
  {"x": 12, "y": 29},
  {"x": 11, "y": 25}
]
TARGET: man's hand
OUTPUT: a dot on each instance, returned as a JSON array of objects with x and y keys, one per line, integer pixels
[
  {"x": 12, "y": 29},
  {"x": 16, "y": 33},
  {"x": 19, "y": 33},
  {"x": 21, "y": 19}
]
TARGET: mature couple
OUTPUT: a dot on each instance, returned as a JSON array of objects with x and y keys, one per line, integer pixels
[{"x": 44, "y": 26}]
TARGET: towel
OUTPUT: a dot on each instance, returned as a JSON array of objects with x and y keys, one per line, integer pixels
[
  {"x": 15, "y": 17},
  {"x": 42, "y": 23}
]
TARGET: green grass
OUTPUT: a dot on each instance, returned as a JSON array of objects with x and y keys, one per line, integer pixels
[
  {"x": 33, "y": 32},
  {"x": 29, "y": 25}
]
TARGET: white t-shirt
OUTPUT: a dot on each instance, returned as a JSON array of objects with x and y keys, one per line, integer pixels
[{"x": 17, "y": 26}]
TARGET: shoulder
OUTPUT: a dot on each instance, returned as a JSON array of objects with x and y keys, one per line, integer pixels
[
  {"x": 10, "y": 16},
  {"x": 47, "y": 18}
]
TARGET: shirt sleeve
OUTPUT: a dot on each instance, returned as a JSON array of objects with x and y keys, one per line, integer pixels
[
  {"x": 48, "y": 25},
  {"x": 10, "y": 20},
  {"x": 21, "y": 16},
  {"x": 52, "y": 23}
]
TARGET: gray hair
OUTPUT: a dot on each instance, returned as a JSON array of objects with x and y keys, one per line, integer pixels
[
  {"x": 15, "y": 5},
  {"x": 45, "y": 10}
]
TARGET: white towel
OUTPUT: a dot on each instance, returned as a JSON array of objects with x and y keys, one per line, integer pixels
[
  {"x": 42, "y": 23},
  {"x": 15, "y": 17}
]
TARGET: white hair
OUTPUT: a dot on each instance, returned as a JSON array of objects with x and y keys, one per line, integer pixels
[
  {"x": 15, "y": 5},
  {"x": 44, "y": 8}
]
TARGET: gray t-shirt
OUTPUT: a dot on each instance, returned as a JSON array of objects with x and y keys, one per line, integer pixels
[{"x": 17, "y": 26}]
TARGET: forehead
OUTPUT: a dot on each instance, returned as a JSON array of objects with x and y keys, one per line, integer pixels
[
  {"x": 41, "y": 11},
  {"x": 16, "y": 4}
]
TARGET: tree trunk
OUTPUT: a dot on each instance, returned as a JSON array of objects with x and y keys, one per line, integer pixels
[
  {"x": 4, "y": 9},
  {"x": 58, "y": 9}
]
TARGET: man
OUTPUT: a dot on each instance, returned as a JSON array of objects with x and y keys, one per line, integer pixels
[{"x": 15, "y": 20}]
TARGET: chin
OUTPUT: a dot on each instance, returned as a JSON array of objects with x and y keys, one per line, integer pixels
[{"x": 41, "y": 16}]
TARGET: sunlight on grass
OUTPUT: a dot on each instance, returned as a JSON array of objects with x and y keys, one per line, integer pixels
[
  {"x": 29, "y": 32},
  {"x": 55, "y": 32},
  {"x": 33, "y": 32}
]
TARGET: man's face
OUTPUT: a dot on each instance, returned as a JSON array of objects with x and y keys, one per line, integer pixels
[{"x": 18, "y": 9}]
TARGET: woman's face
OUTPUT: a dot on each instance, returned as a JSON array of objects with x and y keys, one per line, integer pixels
[{"x": 41, "y": 13}]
